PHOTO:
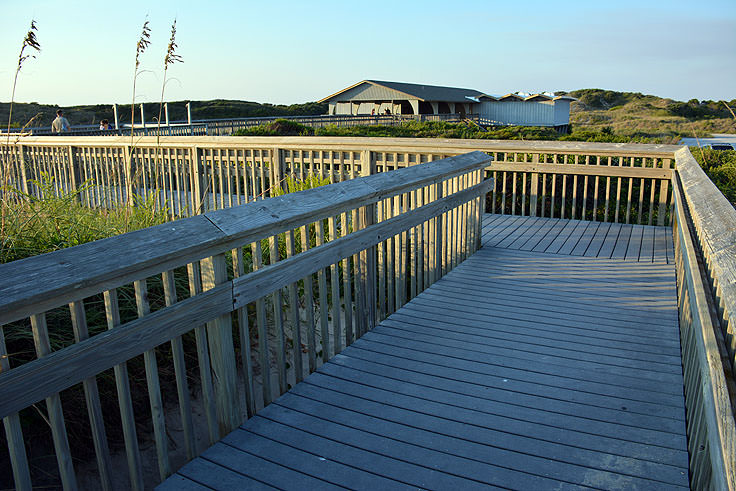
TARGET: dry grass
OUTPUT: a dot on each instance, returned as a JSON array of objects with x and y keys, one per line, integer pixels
[{"x": 650, "y": 118}]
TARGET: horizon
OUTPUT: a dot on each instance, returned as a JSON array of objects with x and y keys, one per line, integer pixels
[{"x": 297, "y": 53}]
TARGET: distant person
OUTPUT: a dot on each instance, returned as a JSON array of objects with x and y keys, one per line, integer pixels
[
  {"x": 373, "y": 112},
  {"x": 388, "y": 111},
  {"x": 104, "y": 124},
  {"x": 60, "y": 124}
]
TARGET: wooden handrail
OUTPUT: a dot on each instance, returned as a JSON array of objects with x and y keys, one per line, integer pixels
[
  {"x": 711, "y": 426},
  {"x": 362, "y": 143}
]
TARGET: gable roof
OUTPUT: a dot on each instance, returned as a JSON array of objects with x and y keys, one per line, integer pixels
[
  {"x": 420, "y": 91},
  {"x": 447, "y": 94}
]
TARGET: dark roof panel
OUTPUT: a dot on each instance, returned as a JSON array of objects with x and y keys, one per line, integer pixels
[{"x": 430, "y": 92}]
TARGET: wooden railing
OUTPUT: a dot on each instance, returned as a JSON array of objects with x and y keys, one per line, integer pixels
[
  {"x": 705, "y": 248},
  {"x": 604, "y": 182},
  {"x": 191, "y": 175},
  {"x": 301, "y": 276},
  {"x": 227, "y": 126}
]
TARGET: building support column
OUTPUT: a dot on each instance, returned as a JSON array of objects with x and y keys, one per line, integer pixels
[
  {"x": 414, "y": 105},
  {"x": 435, "y": 107}
]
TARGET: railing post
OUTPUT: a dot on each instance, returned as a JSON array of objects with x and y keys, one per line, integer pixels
[
  {"x": 439, "y": 229},
  {"x": 195, "y": 172},
  {"x": 14, "y": 433},
  {"x": 367, "y": 163},
  {"x": 222, "y": 350},
  {"x": 277, "y": 171},
  {"x": 368, "y": 272},
  {"x": 534, "y": 188},
  {"x": 22, "y": 165},
  {"x": 74, "y": 174}
]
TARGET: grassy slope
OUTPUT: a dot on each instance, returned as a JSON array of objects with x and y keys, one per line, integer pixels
[{"x": 636, "y": 115}]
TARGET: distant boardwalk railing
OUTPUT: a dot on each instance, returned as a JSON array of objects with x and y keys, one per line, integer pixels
[
  {"x": 623, "y": 183},
  {"x": 227, "y": 126},
  {"x": 190, "y": 175}
]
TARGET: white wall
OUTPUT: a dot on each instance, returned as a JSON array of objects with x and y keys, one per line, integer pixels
[
  {"x": 525, "y": 113},
  {"x": 562, "y": 112}
]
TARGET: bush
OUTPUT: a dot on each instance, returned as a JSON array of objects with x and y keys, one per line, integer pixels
[
  {"x": 720, "y": 166},
  {"x": 280, "y": 127},
  {"x": 38, "y": 225}
]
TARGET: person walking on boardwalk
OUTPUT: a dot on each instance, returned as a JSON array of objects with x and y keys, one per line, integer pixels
[{"x": 60, "y": 124}]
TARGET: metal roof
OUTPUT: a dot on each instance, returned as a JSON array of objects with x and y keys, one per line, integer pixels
[
  {"x": 448, "y": 94},
  {"x": 526, "y": 97},
  {"x": 420, "y": 92}
]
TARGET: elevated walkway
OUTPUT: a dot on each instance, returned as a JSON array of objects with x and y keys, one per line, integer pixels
[{"x": 550, "y": 359}]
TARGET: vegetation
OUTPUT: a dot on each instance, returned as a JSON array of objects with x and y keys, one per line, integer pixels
[
  {"x": 720, "y": 166},
  {"x": 36, "y": 225},
  {"x": 632, "y": 115}
]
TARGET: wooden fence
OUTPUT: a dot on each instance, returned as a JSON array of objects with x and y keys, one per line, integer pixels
[
  {"x": 306, "y": 274},
  {"x": 191, "y": 175}
]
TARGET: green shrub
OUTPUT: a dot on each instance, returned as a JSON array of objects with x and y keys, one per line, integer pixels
[
  {"x": 38, "y": 225},
  {"x": 280, "y": 127},
  {"x": 720, "y": 166}
]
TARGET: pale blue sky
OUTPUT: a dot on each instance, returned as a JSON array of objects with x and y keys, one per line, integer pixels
[{"x": 299, "y": 51}]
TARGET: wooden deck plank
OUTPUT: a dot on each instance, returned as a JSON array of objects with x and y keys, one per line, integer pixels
[
  {"x": 586, "y": 239},
  {"x": 635, "y": 243},
  {"x": 660, "y": 245},
  {"x": 550, "y": 226},
  {"x": 533, "y": 365},
  {"x": 309, "y": 460},
  {"x": 515, "y": 399},
  {"x": 530, "y": 233},
  {"x": 646, "y": 253},
  {"x": 451, "y": 418},
  {"x": 350, "y": 451},
  {"x": 564, "y": 235},
  {"x": 622, "y": 242},
  {"x": 504, "y": 228},
  {"x": 574, "y": 238},
  {"x": 510, "y": 291},
  {"x": 535, "y": 423},
  {"x": 503, "y": 470},
  {"x": 557, "y": 375},
  {"x": 596, "y": 242},
  {"x": 519, "y": 232},
  {"x": 501, "y": 335},
  {"x": 609, "y": 243},
  {"x": 561, "y": 228}
]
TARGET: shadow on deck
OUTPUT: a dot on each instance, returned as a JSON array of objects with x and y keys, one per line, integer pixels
[{"x": 550, "y": 359}]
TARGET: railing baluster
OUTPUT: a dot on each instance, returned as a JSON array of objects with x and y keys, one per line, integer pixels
[
  {"x": 92, "y": 398},
  {"x": 203, "y": 357},
  {"x": 322, "y": 286},
  {"x": 14, "y": 433},
  {"x": 294, "y": 314},
  {"x": 309, "y": 304},
  {"x": 112, "y": 311},
  {"x": 335, "y": 286},
  {"x": 222, "y": 351},
  {"x": 154, "y": 390},
  {"x": 180, "y": 371},
  {"x": 53, "y": 406}
]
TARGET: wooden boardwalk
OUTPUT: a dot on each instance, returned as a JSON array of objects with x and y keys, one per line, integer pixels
[{"x": 550, "y": 359}]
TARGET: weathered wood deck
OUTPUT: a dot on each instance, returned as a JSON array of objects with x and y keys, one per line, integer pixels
[{"x": 548, "y": 360}]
